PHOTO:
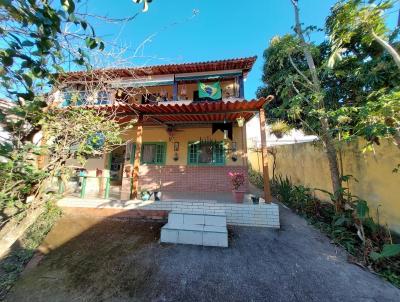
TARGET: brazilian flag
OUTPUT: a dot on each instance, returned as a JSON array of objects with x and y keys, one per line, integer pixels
[{"x": 212, "y": 91}]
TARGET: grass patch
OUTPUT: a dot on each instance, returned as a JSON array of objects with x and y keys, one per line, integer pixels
[
  {"x": 343, "y": 228},
  {"x": 12, "y": 266}
]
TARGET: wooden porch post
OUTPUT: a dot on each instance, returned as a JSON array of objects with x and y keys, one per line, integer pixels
[
  {"x": 136, "y": 164},
  {"x": 264, "y": 152}
]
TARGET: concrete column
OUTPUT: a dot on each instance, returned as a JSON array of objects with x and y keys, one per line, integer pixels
[{"x": 264, "y": 152}]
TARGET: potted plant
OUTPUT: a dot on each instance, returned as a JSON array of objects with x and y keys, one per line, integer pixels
[
  {"x": 237, "y": 180},
  {"x": 279, "y": 128},
  {"x": 157, "y": 192},
  {"x": 145, "y": 195},
  {"x": 255, "y": 199}
]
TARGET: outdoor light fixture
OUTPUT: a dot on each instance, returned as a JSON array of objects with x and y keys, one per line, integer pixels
[{"x": 240, "y": 121}]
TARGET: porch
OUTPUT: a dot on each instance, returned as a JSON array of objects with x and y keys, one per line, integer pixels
[{"x": 168, "y": 154}]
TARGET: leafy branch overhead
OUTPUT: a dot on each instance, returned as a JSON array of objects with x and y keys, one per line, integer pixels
[
  {"x": 39, "y": 41},
  {"x": 357, "y": 70}
]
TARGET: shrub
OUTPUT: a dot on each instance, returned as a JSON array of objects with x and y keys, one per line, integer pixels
[
  {"x": 369, "y": 243},
  {"x": 256, "y": 178}
]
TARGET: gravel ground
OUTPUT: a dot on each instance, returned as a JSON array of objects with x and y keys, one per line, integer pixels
[{"x": 110, "y": 260}]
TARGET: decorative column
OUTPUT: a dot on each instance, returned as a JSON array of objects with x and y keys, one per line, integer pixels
[{"x": 264, "y": 152}]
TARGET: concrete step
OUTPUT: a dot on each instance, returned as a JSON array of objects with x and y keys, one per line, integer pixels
[
  {"x": 180, "y": 218},
  {"x": 197, "y": 229}
]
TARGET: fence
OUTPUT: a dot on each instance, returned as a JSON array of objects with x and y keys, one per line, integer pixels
[
  {"x": 99, "y": 186},
  {"x": 373, "y": 176}
]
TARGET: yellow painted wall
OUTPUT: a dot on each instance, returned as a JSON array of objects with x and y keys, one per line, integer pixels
[
  {"x": 186, "y": 135},
  {"x": 183, "y": 136},
  {"x": 306, "y": 164},
  {"x": 159, "y": 134}
]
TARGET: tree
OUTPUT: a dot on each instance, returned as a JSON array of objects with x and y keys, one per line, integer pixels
[
  {"x": 359, "y": 31},
  {"x": 356, "y": 97},
  {"x": 39, "y": 39},
  {"x": 297, "y": 54}
]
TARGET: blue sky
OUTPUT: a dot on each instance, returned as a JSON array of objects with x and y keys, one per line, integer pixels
[{"x": 222, "y": 29}]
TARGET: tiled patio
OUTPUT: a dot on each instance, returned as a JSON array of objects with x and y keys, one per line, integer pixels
[{"x": 220, "y": 197}]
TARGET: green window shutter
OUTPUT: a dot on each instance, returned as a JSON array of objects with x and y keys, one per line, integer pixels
[
  {"x": 193, "y": 153},
  {"x": 133, "y": 152},
  {"x": 219, "y": 154},
  {"x": 160, "y": 153}
]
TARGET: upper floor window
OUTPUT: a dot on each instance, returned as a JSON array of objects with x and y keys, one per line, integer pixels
[
  {"x": 103, "y": 98},
  {"x": 74, "y": 98}
]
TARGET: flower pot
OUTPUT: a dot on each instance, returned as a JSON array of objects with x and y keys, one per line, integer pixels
[
  {"x": 278, "y": 135},
  {"x": 145, "y": 196},
  {"x": 238, "y": 196},
  {"x": 255, "y": 199},
  {"x": 157, "y": 195}
]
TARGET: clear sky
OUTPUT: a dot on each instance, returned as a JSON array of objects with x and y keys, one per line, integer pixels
[{"x": 222, "y": 29}]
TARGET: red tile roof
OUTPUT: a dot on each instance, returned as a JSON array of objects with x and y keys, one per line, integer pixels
[
  {"x": 244, "y": 64},
  {"x": 196, "y": 112}
]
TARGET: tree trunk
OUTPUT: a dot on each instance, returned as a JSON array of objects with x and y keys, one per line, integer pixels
[
  {"x": 326, "y": 136},
  {"x": 396, "y": 137},
  {"x": 396, "y": 57},
  {"x": 334, "y": 169},
  {"x": 388, "y": 48},
  {"x": 15, "y": 228}
]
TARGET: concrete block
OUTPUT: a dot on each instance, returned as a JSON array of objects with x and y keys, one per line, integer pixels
[
  {"x": 215, "y": 220},
  {"x": 190, "y": 237},
  {"x": 169, "y": 236},
  {"x": 175, "y": 218},
  {"x": 193, "y": 219},
  {"x": 215, "y": 239}
]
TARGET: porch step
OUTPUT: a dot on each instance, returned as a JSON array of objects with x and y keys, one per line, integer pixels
[{"x": 197, "y": 229}]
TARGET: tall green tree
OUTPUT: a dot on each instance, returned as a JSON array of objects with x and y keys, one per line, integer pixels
[
  {"x": 39, "y": 39},
  {"x": 355, "y": 97},
  {"x": 359, "y": 32}
]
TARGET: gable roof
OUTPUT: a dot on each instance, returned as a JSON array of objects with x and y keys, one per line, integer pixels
[{"x": 244, "y": 64}]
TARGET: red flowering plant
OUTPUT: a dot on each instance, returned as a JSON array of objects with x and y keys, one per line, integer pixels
[{"x": 237, "y": 179}]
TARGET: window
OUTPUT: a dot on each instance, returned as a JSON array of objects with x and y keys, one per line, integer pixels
[
  {"x": 66, "y": 99},
  {"x": 74, "y": 98},
  {"x": 206, "y": 154},
  {"x": 103, "y": 98},
  {"x": 154, "y": 153}
]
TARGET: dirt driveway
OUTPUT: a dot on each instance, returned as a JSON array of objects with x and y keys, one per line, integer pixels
[{"x": 94, "y": 260}]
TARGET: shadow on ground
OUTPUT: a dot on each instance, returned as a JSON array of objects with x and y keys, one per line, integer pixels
[{"x": 88, "y": 259}]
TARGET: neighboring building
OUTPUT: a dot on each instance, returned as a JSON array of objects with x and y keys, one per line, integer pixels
[
  {"x": 294, "y": 137},
  {"x": 191, "y": 129}
]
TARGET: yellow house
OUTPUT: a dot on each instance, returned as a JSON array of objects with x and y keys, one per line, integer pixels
[{"x": 190, "y": 130}]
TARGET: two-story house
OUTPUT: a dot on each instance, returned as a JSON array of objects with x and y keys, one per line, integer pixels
[{"x": 190, "y": 130}]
